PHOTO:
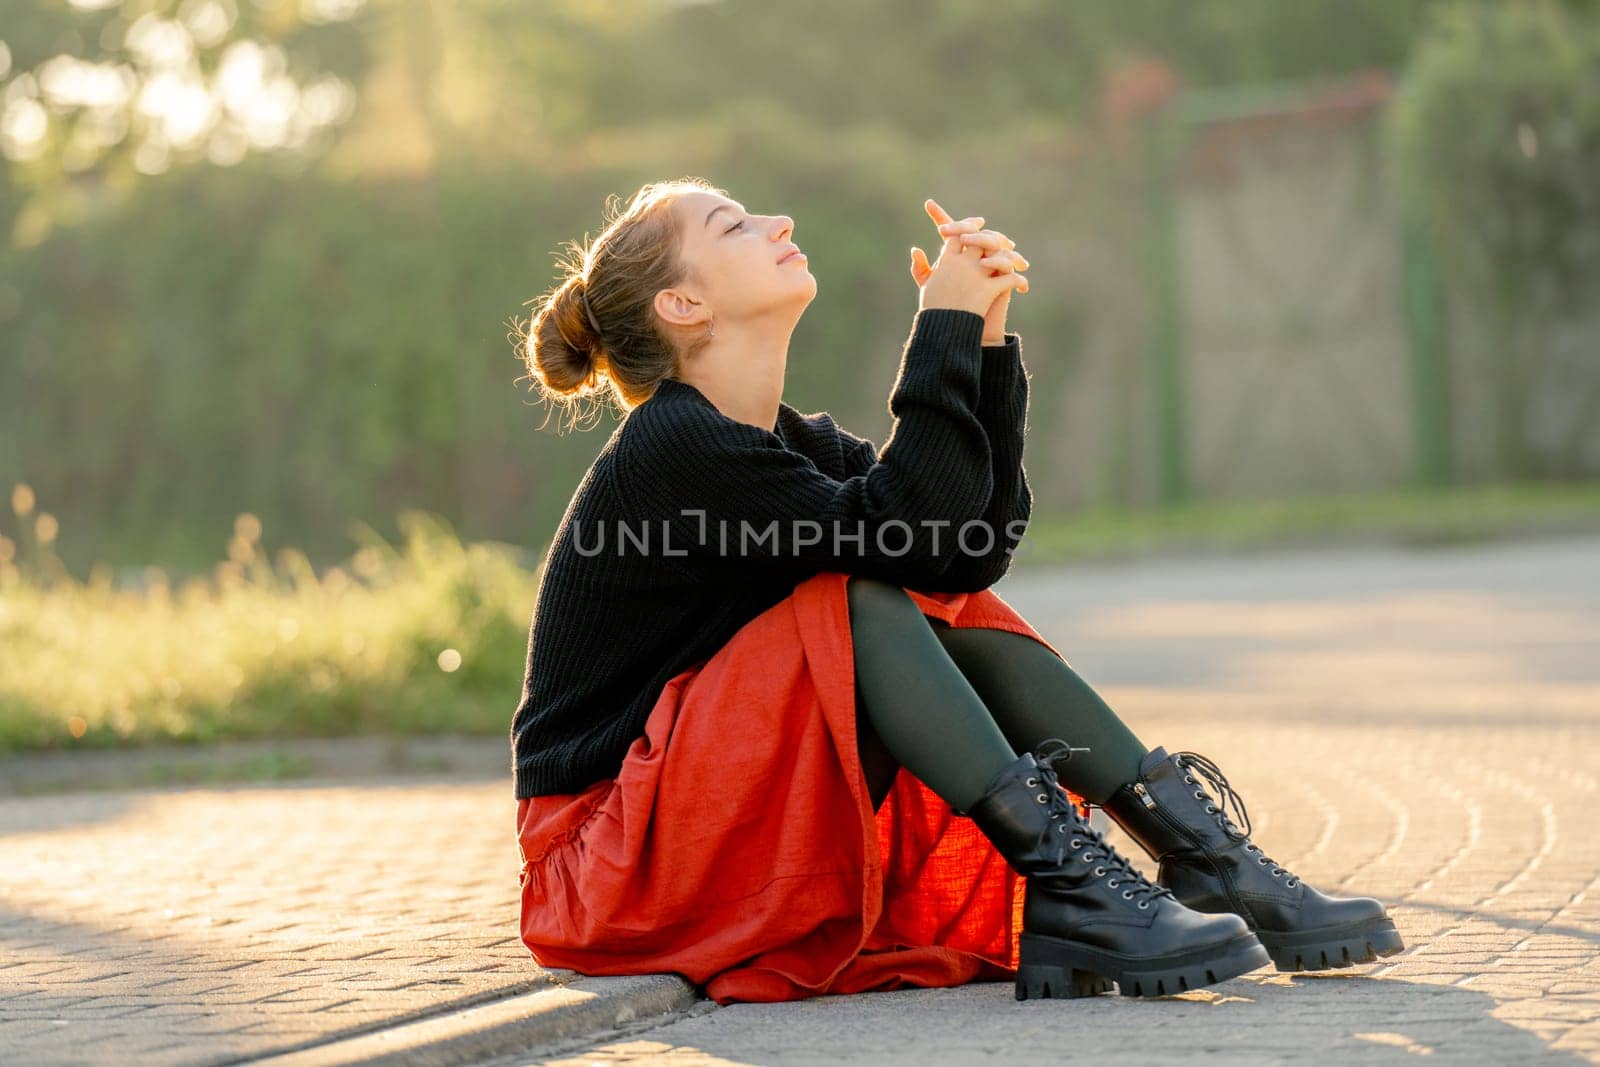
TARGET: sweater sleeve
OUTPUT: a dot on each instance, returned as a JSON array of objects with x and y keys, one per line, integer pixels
[
  {"x": 720, "y": 487},
  {"x": 1003, "y": 412},
  {"x": 859, "y": 453}
]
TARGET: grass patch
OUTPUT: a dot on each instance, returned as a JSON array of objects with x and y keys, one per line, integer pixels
[
  {"x": 269, "y": 767},
  {"x": 429, "y": 637},
  {"x": 1418, "y": 517}
]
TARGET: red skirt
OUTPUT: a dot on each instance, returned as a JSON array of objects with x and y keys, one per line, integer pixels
[{"x": 738, "y": 845}]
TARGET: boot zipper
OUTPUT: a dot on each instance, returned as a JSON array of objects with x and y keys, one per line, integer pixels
[
  {"x": 1183, "y": 832},
  {"x": 1161, "y": 816}
]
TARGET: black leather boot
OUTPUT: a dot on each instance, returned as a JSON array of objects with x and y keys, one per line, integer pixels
[
  {"x": 1090, "y": 919},
  {"x": 1210, "y": 863}
]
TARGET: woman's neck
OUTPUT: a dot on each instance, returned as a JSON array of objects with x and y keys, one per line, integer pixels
[{"x": 741, "y": 372}]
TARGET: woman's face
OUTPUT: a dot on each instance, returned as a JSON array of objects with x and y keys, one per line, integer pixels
[{"x": 737, "y": 269}]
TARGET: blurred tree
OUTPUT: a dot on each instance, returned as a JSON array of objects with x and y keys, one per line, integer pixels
[
  {"x": 926, "y": 69},
  {"x": 320, "y": 342},
  {"x": 1497, "y": 137},
  {"x": 97, "y": 92}
]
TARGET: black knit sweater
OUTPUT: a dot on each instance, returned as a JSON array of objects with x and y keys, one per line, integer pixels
[{"x": 690, "y": 523}]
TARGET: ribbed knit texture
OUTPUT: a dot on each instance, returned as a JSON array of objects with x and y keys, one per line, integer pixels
[{"x": 690, "y": 523}]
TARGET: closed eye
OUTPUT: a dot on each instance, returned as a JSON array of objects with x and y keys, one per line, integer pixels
[{"x": 735, "y": 226}]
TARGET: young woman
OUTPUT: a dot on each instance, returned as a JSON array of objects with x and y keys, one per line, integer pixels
[{"x": 769, "y": 729}]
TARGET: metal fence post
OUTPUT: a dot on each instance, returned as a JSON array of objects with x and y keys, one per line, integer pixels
[
  {"x": 1430, "y": 380},
  {"x": 1161, "y": 274}
]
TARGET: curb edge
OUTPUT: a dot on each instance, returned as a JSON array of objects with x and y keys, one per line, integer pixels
[{"x": 514, "y": 1024}]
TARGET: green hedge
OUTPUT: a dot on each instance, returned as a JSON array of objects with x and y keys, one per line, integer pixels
[{"x": 317, "y": 351}]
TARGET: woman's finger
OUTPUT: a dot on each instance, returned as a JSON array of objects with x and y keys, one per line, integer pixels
[
  {"x": 941, "y": 217},
  {"x": 969, "y": 225},
  {"x": 1009, "y": 280},
  {"x": 1005, "y": 259},
  {"x": 921, "y": 269},
  {"x": 989, "y": 239},
  {"x": 991, "y": 250}
]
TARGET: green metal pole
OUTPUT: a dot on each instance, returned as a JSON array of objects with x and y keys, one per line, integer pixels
[
  {"x": 1430, "y": 394},
  {"x": 1161, "y": 275}
]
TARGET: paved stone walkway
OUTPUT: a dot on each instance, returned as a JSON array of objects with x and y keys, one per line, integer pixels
[
  {"x": 1424, "y": 727},
  {"x": 203, "y": 925}
]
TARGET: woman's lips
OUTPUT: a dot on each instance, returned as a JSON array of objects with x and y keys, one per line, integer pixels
[{"x": 790, "y": 256}]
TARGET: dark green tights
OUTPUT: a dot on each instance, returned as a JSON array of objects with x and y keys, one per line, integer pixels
[{"x": 955, "y": 705}]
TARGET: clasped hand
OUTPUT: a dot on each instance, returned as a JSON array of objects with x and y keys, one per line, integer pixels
[{"x": 978, "y": 269}]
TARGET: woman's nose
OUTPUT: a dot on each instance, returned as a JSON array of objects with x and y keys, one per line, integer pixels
[{"x": 785, "y": 226}]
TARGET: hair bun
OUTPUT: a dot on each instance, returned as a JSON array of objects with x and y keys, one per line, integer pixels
[{"x": 565, "y": 344}]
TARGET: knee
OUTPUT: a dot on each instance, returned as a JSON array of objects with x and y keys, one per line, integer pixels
[{"x": 874, "y": 594}]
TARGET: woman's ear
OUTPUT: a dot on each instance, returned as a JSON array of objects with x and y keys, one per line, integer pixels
[{"x": 677, "y": 308}]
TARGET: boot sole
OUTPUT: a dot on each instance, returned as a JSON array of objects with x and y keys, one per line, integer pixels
[
  {"x": 1052, "y": 968},
  {"x": 1333, "y": 946}
]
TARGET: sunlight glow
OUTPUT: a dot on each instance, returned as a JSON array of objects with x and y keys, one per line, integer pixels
[
  {"x": 245, "y": 66},
  {"x": 98, "y": 130},
  {"x": 240, "y": 551},
  {"x": 162, "y": 96},
  {"x": 208, "y": 21},
  {"x": 68, "y": 81},
  {"x": 160, "y": 43},
  {"x": 22, "y": 499},
  {"x": 247, "y": 527},
  {"x": 22, "y": 129},
  {"x": 181, "y": 104},
  {"x": 1399, "y": 1041},
  {"x": 327, "y": 101},
  {"x": 330, "y": 10}
]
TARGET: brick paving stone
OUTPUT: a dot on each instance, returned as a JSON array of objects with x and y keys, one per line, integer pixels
[{"x": 195, "y": 926}]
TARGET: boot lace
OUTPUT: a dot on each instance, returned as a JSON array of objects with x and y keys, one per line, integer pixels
[
  {"x": 1220, "y": 799},
  {"x": 1089, "y": 843}
]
